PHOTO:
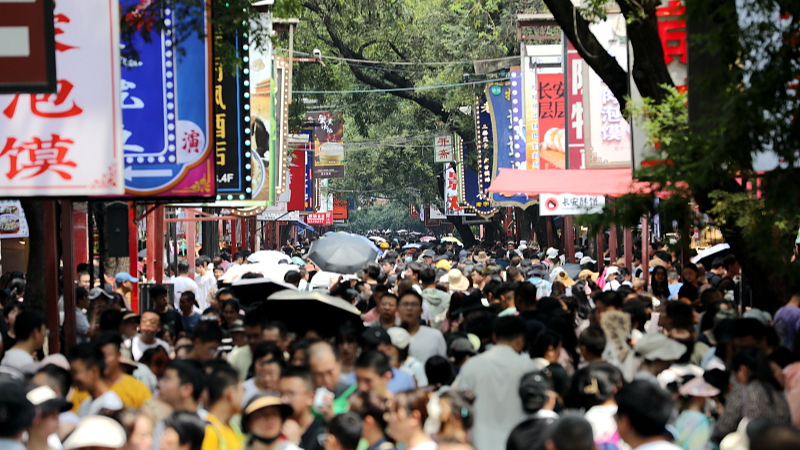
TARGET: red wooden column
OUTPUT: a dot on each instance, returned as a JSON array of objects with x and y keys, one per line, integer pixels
[
  {"x": 252, "y": 222},
  {"x": 569, "y": 239},
  {"x": 133, "y": 254},
  {"x": 628, "y": 248},
  {"x": 158, "y": 244},
  {"x": 191, "y": 231},
  {"x": 51, "y": 263},
  {"x": 645, "y": 249},
  {"x": 612, "y": 244},
  {"x": 150, "y": 266},
  {"x": 233, "y": 238},
  {"x": 68, "y": 261},
  {"x": 600, "y": 248}
]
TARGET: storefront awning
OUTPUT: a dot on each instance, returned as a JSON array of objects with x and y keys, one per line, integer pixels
[{"x": 611, "y": 182}]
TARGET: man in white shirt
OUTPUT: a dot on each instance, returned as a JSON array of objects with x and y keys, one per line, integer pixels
[
  {"x": 87, "y": 365},
  {"x": 494, "y": 377},
  {"x": 643, "y": 411},
  {"x": 30, "y": 328},
  {"x": 425, "y": 341},
  {"x": 149, "y": 327},
  {"x": 183, "y": 283},
  {"x": 205, "y": 281}
]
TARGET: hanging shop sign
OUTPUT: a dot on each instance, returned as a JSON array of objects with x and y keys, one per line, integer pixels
[
  {"x": 552, "y": 139},
  {"x": 570, "y": 205},
  {"x": 452, "y": 181},
  {"x": 576, "y": 156},
  {"x": 539, "y": 60},
  {"x": 471, "y": 196},
  {"x": 609, "y": 133},
  {"x": 328, "y": 148},
  {"x": 69, "y": 143},
  {"x": 27, "y": 44},
  {"x": 12, "y": 220},
  {"x": 297, "y": 172},
  {"x": 233, "y": 135},
  {"x": 507, "y": 121},
  {"x": 443, "y": 148},
  {"x": 325, "y": 219},
  {"x": 288, "y": 216},
  {"x": 166, "y": 109}
]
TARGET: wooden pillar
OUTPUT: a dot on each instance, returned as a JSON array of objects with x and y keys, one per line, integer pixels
[
  {"x": 68, "y": 262},
  {"x": 628, "y": 248},
  {"x": 158, "y": 244},
  {"x": 612, "y": 244},
  {"x": 191, "y": 231},
  {"x": 233, "y": 237},
  {"x": 51, "y": 263},
  {"x": 600, "y": 247},
  {"x": 550, "y": 232},
  {"x": 133, "y": 254},
  {"x": 150, "y": 266},
  {"x": 569, "y": 239},
  {"x": 243, "y": 225},
  {"x": 252, "y": 222},
  {"x": 645, "y": 249}
]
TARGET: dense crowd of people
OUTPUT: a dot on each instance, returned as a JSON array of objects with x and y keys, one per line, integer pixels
[{"x": 498, "y": 346}]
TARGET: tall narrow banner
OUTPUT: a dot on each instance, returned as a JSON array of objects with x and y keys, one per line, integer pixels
[
  {"x": 297, "y": 175},
  {"x": 311, "y": 188},
  {"x": 610, "y": 134},
  {"x": 166, "y": 108},
  {"x": 552, "y": 141},
  {"x": 574, "y": 109},
  {"x": 328, "y": 148},
  {"x": 471, "y": 190},
  {"x": 232, "y": 130},
  {"x": 505, "y": 109},
  {"x": 69, "y": 143},
  {"x": 484, "y": 141}
]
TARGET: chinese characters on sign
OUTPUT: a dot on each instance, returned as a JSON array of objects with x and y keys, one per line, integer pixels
[
  {"x": 575, "y": 120},
  {"x": 69, "y": 143},
  {"x": 443, "y": 148},
  {"x": 570, "y": 205},
  {"x": 325, "y": 218},
  {"x": 551, "y": 121},
  {"x": 328, "y": 148},
  {"x": 673, "y": 32}
]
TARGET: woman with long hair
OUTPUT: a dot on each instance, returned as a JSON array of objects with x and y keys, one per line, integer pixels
[
  {"x": 659, "y": 286},
  {"x": 406, "y": 417},
  {"x": 592, "y": 390},
  {"x": 756, "y": 394}
]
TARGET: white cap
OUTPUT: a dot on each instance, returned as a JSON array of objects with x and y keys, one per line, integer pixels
[
  {"x": 97, "y": 431},
  {"x": 552, "y": 253},
  {"x": 578, "y": 256},
  {"x": 400, "y": 337},
  {"x": 586, "y": 260},
  {"x": 656, "y": 346}
]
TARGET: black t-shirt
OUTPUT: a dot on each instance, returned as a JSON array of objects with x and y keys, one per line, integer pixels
[
  {"x": 689, "y": 291},
  {"x": 173, "y": 319},
  {"x": 309, "y": 440}
]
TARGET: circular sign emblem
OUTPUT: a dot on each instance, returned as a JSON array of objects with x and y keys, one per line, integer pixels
[
  {"x": 551, "y": 204},
  {"x": 496, "y": 90}
]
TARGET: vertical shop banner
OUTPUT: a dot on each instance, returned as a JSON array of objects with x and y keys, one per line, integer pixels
[
  {"x": 552, "y": 139},
  {"x": 574, "y": 109},
  {"x": 311, "y": 188},
  {"x": 471, "y": 190},
  {"x": 232, "y": 130},
  {"x": 27, "y": 44},
  {"x": 328, "y": 148},
  {"x": 484, "y": 137},
  {"x": 297, "y": 175},
  {"x": 451, "y": 188},
  {"x": 609, "y": 143},
  {"x": 443, "y": 148},
  {"x": 69, "y": 143},
  {"x": 505, "y": 109},
  {"x": 340, "y": 209},
  {"x": 530, "y": 91},
  {"x": 166, "y": 107}
]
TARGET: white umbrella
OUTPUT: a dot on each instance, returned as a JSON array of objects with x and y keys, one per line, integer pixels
[
  {"x": 268, "y": 257},
  {"x": 377, "y": 238},
  {"x": 711, "y": 251},
  {"x": 272, "y": 271}
]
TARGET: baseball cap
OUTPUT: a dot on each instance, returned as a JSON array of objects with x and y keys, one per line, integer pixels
[
  {"x": 656, "y": 346},
  {"x": 462, "y": 345},
  {"x": 538, "y": 270},
  {"x": 237, "y": 326},
  {"x": 97, "y": 292},
  {"x": 586, "y": 260},
  {"x": 534, "y": 388},
  {"x": 429, "y": 253},
  {"x": 578, "y": 256},
  {"x": 16, "y": 411},
  {"x": 46, "y": 399},
  {"x": 125, "y": 276},
  {"x": 96, "y": 431},
  {"x": 552, "y": 253},
  {"x": 399, "y": 337},
  {"x": 376, "y": 336},
  {"x": 130, "y": 315}
]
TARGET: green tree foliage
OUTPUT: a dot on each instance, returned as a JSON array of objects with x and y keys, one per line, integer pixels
[{"x": 386, "y": 216}]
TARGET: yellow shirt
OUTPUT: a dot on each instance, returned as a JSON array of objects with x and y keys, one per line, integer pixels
[
  {"x": 221, "y": 436},
  {"x": 131, "y": 391}
]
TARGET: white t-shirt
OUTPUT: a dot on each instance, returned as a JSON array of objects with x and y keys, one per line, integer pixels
[
  {"x": 430, "y": 445},
  {"x": 18, "y": 359},
  {"x": 138, "y": 347},
  {"x": 425, "y": 343},
  {"x": 91, "y": 407},
  {"x": 184, "y": 284},
  {"x": 204, "y": 286},
  {"x": 251, "y": 391}
]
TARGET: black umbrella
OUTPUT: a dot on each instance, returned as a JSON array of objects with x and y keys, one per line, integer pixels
[
  {"x": 342, "y": 252},
  {"x": 315, "y": 310},
  {"x": 251, "y": 290},
  {"x": 572, "y": 270}
]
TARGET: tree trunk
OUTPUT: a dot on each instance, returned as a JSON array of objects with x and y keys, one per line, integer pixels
[
  {"x": 467, "y": 236},
  {"x": 35, "y": 286}
]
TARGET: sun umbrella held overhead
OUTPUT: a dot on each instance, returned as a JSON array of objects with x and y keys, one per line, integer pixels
[
  {"x": 268, "y": 257},
  {"x": 252, "y": 290},
  {"x": 303, "y": 311},
  {"x": 707, "y": 256},
  {"x": 342, "y": 253}
]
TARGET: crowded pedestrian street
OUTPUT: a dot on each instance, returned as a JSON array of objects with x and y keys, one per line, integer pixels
[{"x": 416, "y": 225}]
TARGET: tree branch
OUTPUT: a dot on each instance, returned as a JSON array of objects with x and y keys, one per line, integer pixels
[
  {"x": 576, "y": 28},
  {"x": 649, "y": 70}
]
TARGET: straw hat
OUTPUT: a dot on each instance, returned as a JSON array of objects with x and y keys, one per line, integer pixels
[
  {"x": 456, "y": 280},
  {"x": 588, "y": 274}
]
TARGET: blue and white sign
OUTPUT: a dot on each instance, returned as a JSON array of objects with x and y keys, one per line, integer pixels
[{"x": 165, "y": 116}]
